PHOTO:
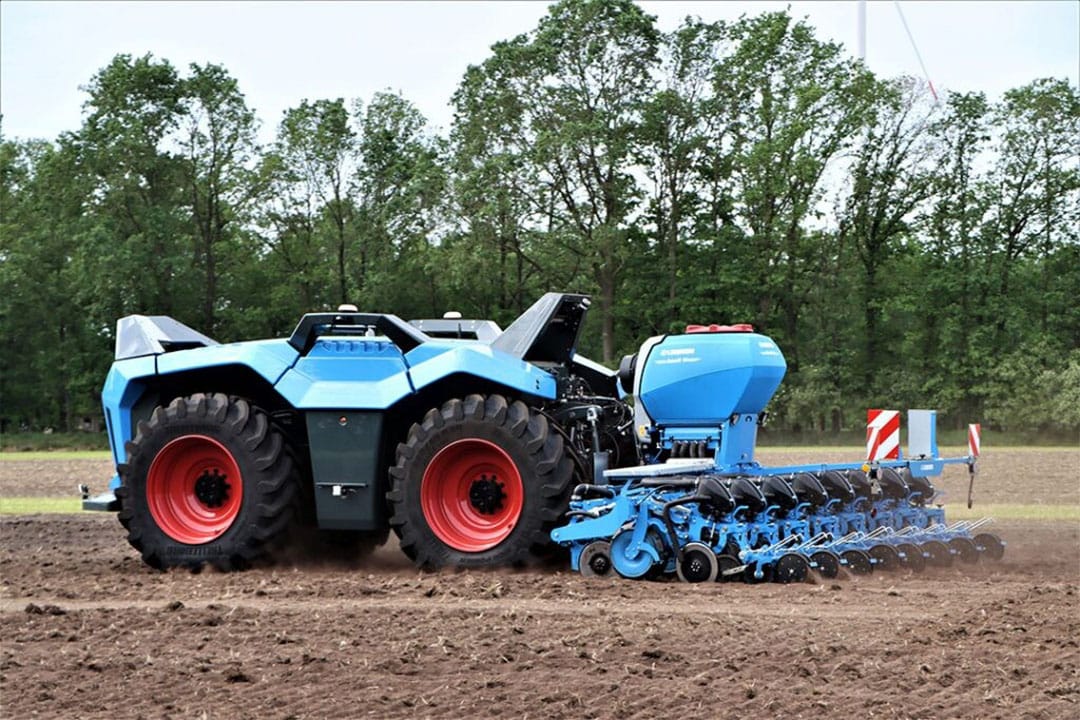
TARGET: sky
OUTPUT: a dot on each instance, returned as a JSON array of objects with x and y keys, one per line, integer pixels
[{"x": 285, "y": 52}]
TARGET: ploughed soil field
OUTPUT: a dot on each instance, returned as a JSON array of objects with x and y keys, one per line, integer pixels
[{"x": 86, "y": 630}]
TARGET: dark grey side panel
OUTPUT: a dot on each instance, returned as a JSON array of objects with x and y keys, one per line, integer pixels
[{"x": 350, "y": 489}]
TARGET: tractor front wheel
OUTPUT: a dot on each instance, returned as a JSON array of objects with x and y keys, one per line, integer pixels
[
  {"x": 480, "y": 481},
  {"x": 208, "y": 480}
]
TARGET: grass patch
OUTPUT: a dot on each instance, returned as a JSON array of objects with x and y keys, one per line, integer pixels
[
  {"x": 30, "y": 441},
  {"x": 36, "y": 505},
  {"x": 1013, "y": 512},
  {"x": 768, "y": 438},
  {"x": 56, "y": 455}
]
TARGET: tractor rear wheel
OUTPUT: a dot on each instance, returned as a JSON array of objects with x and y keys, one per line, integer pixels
[
  {"x": 208, "y": 480},
  {"x": 478, "y": 482}
]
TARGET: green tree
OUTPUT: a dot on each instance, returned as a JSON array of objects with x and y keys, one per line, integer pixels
[
  {"x": 310, "y": 207},
  {"x": 891, "y": 178},
  {"x": 683, "y": 141},
  {"x": 955, "y": 268},
  {"x": 799, "y": 103},
  {"x": 319, "y": 147},
  {"x": 1034, "y": 188},
  {"x": 140, "y": 250},
  {"x": 52, "y": 357},
  {"x": 498, "y": 199},
  {"x": 577, "y": 87},
  {"x": 218, "y": 145},
  {"x": 400, "y": 200}
]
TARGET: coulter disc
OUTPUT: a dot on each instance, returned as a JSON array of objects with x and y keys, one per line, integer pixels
[
  {"x": 728, "y": 568},
  {"x": 937, "y": 553}
]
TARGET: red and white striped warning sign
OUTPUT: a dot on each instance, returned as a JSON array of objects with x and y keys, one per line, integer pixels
[
  {"x": 882, "y": 435},
  {"x": 974, "y": 439}
]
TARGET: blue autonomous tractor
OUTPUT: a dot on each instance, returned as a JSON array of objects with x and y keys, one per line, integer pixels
[{"x": 479, "y": 446}]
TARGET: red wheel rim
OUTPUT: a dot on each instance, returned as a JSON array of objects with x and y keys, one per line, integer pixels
[
  {"x": 194, "y": 489},
  {"x": 472, "y": 495}
]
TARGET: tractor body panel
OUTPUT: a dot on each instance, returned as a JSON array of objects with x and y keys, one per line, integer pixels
[
  {"x": 482, "y": 361},
  {"x": 269, "y": 358},
  {"x": 347, "y": 373}
]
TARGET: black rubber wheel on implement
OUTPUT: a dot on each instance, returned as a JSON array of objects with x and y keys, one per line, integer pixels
[
  {"x": 828, "y": 563},
  {"x": 478, "y": 482},
  {"x": 857, "y": 562},
  {"x": 750, "y": 574},
  {"x": 885, "y": 557},
  {"x": 965, "y": 550},
  {"x": 990, "y": 545},
  {"x": 208, "y": 480},
  {"x": 937, "y": 554},
  {"x": 911, "y": 556},
  {"x": 791, "y": 568},
  {"x": 697, "y": 563}
]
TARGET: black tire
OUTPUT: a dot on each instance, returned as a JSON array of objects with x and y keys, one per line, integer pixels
[
  {"x": 520, "y": 436},
  {"x": 697, "y": 563},
  {"x": 790, "y": 568},
  {"x": 937, "y": 554},
  {"x": 964, "y": 549},
  {"x": 857, "y": 562},
  {"x": 750, "y": 574},
  {"x": 263, "y": 512},
  {"x": 990, "y": 545},
  {"x": 912, "y": 557},
  {"x": 828, "y": 563},
  {"x": 885, "y": 557}
]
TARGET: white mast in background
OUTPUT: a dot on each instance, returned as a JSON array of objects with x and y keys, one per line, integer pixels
[
  {"x": 918, "y": 55},
  {"x": 862, "y": 30},
  {"x": 861, "y": 34}
]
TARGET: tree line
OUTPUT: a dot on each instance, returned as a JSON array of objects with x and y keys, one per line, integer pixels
[{"x": 903, "y": 252}]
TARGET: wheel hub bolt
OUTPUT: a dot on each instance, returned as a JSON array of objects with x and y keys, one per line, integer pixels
[
  {"x": 486, "y": 495},
  {"x": 211, "y": 488}
]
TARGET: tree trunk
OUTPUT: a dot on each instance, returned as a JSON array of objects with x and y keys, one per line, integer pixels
[
  {"x": 872, "y": 315},
  {"x": 607, "y": 313}
]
